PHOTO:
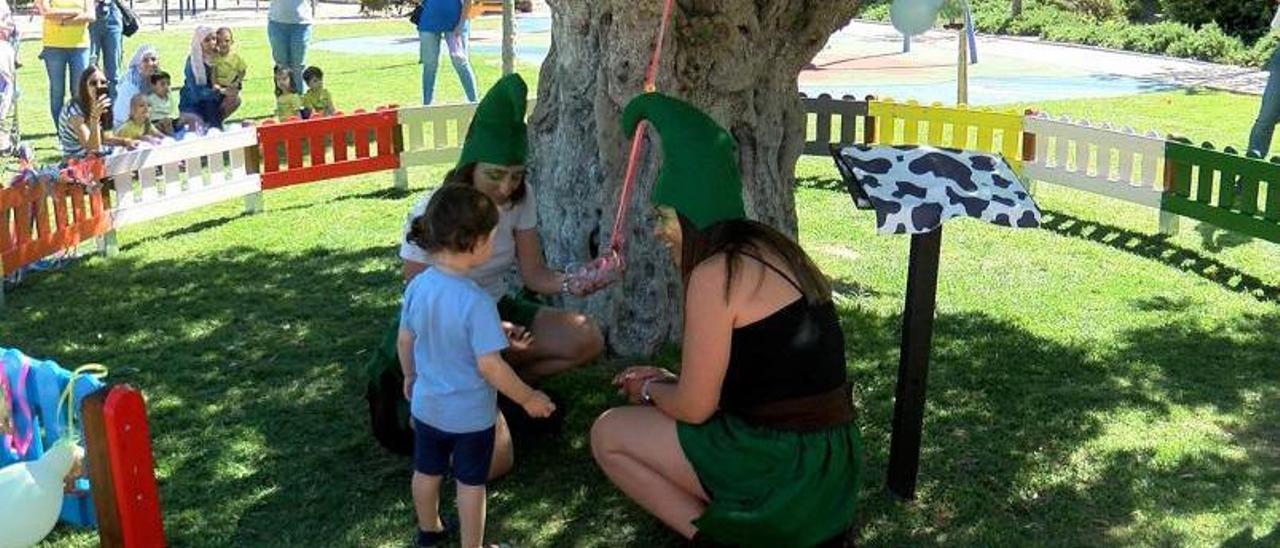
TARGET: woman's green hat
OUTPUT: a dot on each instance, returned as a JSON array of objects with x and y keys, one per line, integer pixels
[
  {"x": 699, "y": 176},
  {"x": 498, "y": 134}
]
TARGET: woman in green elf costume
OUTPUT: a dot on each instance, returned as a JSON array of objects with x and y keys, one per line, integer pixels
[
  {"x": 755, "y": 443},
  {"x": 545, "y": 340}
]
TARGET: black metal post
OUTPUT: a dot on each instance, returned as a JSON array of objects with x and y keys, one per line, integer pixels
[{"x": 913, "y": 364}]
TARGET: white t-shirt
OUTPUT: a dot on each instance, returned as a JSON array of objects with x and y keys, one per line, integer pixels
[{"x": 492, "y": 275}]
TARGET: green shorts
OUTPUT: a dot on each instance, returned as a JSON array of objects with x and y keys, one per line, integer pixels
[{"x": 520, "y": 308}]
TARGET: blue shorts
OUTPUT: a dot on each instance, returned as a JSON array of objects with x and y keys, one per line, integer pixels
[{"x": 472, "y": 452}]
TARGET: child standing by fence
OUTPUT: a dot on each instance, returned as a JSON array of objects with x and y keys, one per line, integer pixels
[
  {"x": 288, "y": 102},
  {"x": 317, "y": 99},
  {"x": 449, "y": 347}
]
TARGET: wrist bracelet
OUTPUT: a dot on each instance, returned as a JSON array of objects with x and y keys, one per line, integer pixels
[
  {"x": 645, "y": 397},
  {"x": 564, "y": 283}
]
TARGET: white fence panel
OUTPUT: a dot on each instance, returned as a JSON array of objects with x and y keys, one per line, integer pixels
[
  {"x": 177, "y": 176},
  {"x": 1117, "y": 163}
]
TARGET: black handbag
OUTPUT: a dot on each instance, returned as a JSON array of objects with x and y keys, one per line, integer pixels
[
  {"x": 128, "y": 19},
  {"x": 416, "y": 14}
]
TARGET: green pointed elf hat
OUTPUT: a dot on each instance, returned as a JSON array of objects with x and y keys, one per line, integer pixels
[
  {"x": 498, "y": 134},
  {"x": 699, "y": 176}
]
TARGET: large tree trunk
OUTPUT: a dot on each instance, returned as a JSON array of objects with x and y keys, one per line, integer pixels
[
  {"x": 1016, "y": 8},
  {"x": 738, "y": 60}
]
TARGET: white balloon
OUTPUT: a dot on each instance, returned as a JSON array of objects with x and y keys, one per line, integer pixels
[
  {"x": 912, "y": 17},
  {"x": 31, "y": 495}
]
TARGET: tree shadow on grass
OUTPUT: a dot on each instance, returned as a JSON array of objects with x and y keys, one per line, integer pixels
[
  {"x": 252, "y": 363},
  {"x": 818, "y": 182},
  {"x": 1009, "y": 454}
]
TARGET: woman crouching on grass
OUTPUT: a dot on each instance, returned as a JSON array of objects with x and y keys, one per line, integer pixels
[
  {"x": 545, "y": 341},
  {"x": 755, "y": 442}
]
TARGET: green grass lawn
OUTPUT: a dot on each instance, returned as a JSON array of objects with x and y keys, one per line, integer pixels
[{"x": 1092, "y": 383}]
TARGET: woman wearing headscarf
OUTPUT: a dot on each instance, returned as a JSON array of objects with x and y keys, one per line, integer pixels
[
  {"x": 755, "y": 443},
  {"x": 137, "y": 80},
  {"x": 198, "y": 96}
]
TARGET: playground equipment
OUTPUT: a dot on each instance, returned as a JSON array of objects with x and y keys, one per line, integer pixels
[{"x": 42, "y": 451}]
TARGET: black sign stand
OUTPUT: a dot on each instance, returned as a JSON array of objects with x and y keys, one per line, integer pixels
[{"x": 913, "y": 364}]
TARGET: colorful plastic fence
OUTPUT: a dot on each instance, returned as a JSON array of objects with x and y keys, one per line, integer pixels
[
  {"x": 1224, "y": 188},
  {"x": 122, "y": 469},
  {"x": 1177, "y": 179},
  {"x": 155, "y": 182},
  {"x": 836, "y": 121},
  {"x": 37, "y": 220},
  {"x": 328, "y": 147},
  {"x": 954, "y": 127},
  {"x": 432, "y": 135}
]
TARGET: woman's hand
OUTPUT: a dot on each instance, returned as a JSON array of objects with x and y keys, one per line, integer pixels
[
  {"x": 642, "y": 372},
  {"x": 632, "y": 379},
  {"x": 408, "y": 387},
  {"x": 518, "y": 337},
  {"x": 100, "y": 105}
]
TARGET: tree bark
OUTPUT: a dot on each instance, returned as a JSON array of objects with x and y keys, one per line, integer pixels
[
  {"x": 738, "y": 60},
  {"x": 1016, "y": 8}
]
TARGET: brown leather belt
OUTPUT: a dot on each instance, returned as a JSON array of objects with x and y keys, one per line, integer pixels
[{"x": 805, "y": 414}]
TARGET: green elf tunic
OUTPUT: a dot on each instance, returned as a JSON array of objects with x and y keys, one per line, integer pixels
[
  {"x": 772, "y": 480},
  {"x": 497, "y": 135}
]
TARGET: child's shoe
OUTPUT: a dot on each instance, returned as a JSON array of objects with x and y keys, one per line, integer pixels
[{"x": 427, "y": 539}]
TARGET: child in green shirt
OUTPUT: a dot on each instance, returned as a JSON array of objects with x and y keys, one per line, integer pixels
[
  {"x": 288, "y": 102},
  {"x": 228, "y": 71},
  {"x": 316, "y": 100},
  {"x": 138, "y": 127},
  {"x": 162, "y": 104}
]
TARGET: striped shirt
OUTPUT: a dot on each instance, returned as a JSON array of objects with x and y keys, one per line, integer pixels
[{"x": 68, "y": 136}]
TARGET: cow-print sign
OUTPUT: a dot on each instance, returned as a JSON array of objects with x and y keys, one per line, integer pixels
[{"x": 915, "y": 189}]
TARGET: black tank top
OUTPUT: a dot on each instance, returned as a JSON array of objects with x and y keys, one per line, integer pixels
[{"x": 795, "y": 352}]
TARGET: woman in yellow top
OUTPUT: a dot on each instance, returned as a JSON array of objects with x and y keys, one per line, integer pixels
[{"x": 66, "y": 47}]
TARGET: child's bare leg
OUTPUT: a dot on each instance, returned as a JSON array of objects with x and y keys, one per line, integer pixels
[
  {"x": 471, "y": 511},
  {"x": 426, "y": 502}
]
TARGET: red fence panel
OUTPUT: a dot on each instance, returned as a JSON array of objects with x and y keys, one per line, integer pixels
[
  {"x": 327, "y": 141},
  {"x": 122, "y": 469}
]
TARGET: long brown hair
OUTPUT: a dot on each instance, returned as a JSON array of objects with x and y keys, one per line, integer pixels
[
  {"x": 82, "y": 90},
  {"x": 465, "y": 174},
  {"x": 738, "y": 237}
]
